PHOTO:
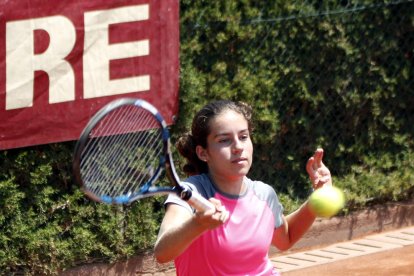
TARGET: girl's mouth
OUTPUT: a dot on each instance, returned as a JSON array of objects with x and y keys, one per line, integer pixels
[{"x": 239, "y": 160}]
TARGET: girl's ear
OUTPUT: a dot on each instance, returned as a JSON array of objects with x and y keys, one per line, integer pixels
[{"x": 201, "y": 153}]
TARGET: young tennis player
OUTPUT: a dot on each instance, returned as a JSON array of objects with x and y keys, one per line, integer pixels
[{"x": 234, "y": 238}]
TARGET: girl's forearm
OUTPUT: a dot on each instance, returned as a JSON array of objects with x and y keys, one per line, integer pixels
[
  {"x": 173, "y": 241},
  {"x": 299, "y": 222}
]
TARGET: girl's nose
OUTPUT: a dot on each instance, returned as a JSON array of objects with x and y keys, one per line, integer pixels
[{"x": 237, "y": 145}]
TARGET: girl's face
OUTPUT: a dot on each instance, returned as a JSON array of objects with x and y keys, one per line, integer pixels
[{"x": 229, "y": 147}]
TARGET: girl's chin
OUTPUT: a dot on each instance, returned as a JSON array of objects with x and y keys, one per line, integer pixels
[{"x": 242, "y": 172}]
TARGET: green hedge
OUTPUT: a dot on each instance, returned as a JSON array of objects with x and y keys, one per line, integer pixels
[
  {"x": 47, "y": 224},
  {"x": 332, "y": 75}
]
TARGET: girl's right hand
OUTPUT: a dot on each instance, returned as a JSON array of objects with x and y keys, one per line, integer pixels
[{"x": 212, "y": 218}]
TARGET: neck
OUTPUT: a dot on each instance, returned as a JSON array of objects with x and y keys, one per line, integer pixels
[{"x": 234, "y": 186}]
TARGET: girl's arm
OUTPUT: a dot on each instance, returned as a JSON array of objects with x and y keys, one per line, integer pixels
[
  {"x": 180, "y": 228},
  {"x": 293, "y": 228},
  {"x": 297, "y": 223}
]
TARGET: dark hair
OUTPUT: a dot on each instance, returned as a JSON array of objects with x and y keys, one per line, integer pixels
[{"x": 200, "y": 129}]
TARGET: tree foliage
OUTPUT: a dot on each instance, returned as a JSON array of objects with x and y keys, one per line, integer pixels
[{"x": 317, "y": 73}]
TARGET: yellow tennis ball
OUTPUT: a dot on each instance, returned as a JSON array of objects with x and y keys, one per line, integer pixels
[{"x": 326, "y": 201}]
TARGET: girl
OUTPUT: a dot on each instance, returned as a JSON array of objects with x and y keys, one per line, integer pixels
[{"x": 233, "y": 239}]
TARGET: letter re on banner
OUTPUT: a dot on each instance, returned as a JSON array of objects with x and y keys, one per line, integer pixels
[{"x": 64, "y": 60}]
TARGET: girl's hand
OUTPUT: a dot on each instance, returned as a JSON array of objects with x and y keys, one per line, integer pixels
[
  {"x": 211, "y": 219},
  {"x": 319, "y": 174}
]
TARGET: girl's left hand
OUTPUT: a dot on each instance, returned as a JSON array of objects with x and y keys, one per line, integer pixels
[{"x": 319, "y": 174}]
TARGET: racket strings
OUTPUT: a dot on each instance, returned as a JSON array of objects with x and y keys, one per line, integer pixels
[
  {"x": 94, "y": 148},
  {"x": 122, "y": 152},
  {"x": 120, "y": 174},
  {"x": 127, "y": 141},
  {"x": 150, "y": 140}
]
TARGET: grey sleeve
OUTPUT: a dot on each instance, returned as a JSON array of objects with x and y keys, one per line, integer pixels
[
  {"x": 276, "y": 208},
  {"x": 175, "y": 199},
  {"x": 267, "y": 193},
  {"x": 199, "y": 183}
]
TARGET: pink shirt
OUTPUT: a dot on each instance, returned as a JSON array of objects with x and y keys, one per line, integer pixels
[{"x": 241, "y": 245}]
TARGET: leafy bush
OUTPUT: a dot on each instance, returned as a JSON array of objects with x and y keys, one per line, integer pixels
[{"x": 47, "y": 224}]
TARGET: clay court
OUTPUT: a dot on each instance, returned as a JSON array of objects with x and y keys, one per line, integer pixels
[
  {"x": 398, "y": 262},
  {"x": 389, "y": 253}
]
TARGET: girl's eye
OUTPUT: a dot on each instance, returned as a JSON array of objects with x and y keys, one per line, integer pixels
[
  {"x": 244, "y": 137},
  {"x": 224, "y": 140}
]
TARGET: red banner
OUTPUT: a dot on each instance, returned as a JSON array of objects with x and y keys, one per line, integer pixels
[{"x": 61, "y": 61}]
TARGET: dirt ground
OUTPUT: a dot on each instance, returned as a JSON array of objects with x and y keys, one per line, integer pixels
[{"x": 395, "y": 262}]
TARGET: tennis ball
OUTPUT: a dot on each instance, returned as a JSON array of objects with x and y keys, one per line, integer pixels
[{"x": 326, "y": 201}]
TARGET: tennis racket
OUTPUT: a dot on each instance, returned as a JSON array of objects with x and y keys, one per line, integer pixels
[{"x": 121, "y": 153}]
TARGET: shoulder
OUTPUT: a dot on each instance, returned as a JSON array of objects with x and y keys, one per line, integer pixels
[
  {"x": 202, "y": 184},
  {"x": 266, "y": 193},
  {"x": 198, "y": 178},
  {"x": 261, "y": 189},
  {"x": 198, "y": 183}
]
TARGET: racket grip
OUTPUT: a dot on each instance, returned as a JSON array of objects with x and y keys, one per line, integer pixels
[{"x": 199, "y": 202}]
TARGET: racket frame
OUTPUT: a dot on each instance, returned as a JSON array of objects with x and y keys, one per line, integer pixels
[{"x": 166, "y": 162}]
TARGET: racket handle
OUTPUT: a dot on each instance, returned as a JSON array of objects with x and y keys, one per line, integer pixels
[{"x": 199, "y": 202}]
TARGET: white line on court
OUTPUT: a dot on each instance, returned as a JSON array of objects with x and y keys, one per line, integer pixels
[{"x": 344, "y": 250}]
